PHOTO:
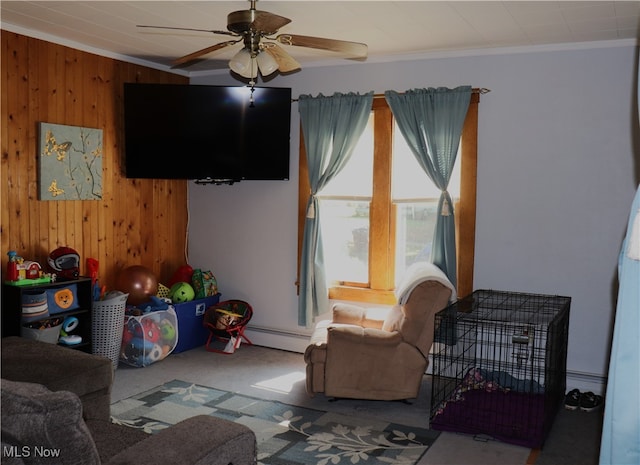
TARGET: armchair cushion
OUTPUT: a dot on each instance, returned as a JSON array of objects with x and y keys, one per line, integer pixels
[
  {"x": 341, "y": 337},
  {"x": 356, "y": 315},
  {"x": 41, "y": 424}
]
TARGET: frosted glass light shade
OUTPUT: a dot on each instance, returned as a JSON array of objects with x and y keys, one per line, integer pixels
[
  {"x": 266, "y": 63},
  {"x": 241, "y": 63}
]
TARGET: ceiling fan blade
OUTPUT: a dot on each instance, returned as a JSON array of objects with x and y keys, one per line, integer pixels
[
  {"x": 286, "y": 63},
  {"x": 204, "y": 51},
  {"x": 352, "y": 49},
  {"x": 268, "y": 22},
  {"x": 213, "y": 31},
  {"x": 243, "y": 21}
]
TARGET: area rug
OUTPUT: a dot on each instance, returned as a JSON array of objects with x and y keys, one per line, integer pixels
[{"x": 286, "y": 434}]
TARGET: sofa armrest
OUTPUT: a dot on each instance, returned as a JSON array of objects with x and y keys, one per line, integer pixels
[
  {"x": 199, "y": 440},
  {"x": 60, "y": 369}
]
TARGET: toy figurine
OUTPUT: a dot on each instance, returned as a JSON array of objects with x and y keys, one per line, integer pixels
[{"x": 12, "y": 266}]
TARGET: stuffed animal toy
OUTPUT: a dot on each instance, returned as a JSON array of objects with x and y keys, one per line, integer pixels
[
  {"x": 154, "y": 354},
  {"x": 151, "y": 330},
  {"x": 156, "y": 303},
  {"x": 168, "y": 331}
]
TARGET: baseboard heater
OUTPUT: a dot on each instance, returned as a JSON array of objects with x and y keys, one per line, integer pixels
[{"x": 279, "y": 338}]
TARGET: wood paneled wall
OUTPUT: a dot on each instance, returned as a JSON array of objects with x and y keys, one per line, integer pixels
[{"x": 137, "y": 221}]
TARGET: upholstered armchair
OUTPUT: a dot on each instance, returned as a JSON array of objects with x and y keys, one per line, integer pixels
[{"x": 379, "y": 354}]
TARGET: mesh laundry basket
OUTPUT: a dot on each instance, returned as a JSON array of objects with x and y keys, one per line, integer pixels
[{"x": 107, "y": 327}]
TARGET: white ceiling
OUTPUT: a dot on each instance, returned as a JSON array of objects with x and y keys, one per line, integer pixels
[{"x": 391, "y": 29}]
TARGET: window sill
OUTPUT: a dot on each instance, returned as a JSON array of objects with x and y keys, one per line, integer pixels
[{"x": 364, "y": 295}]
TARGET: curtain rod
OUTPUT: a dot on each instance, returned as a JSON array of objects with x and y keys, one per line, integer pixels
[{"x": 475, "y": 90}]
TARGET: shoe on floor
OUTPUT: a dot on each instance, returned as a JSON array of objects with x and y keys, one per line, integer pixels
[
  {"x": 572, "y": 399},
  {"x": 590, "y": 401}
]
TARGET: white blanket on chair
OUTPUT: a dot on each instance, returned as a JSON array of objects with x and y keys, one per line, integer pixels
[{"x": 417, "y": 273}]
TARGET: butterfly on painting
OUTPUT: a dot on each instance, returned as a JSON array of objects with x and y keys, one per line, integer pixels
[
  {"x": 54, "y": 189},
  {"x": 52, "y": 146}
]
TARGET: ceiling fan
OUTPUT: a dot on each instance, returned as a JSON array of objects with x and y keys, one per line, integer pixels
[{"x": 261, "y": 47}]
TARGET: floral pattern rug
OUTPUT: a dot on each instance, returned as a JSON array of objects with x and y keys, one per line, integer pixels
[{"x": 286, "y": 434}]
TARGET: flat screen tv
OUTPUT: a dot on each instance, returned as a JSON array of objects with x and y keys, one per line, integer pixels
[{"x": 203, "y": 132}]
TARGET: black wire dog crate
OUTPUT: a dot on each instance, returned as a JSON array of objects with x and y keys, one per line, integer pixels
[{"x": 500, "y": 367}]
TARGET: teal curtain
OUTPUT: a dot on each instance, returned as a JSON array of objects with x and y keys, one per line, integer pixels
[
  {"x": 431, "y": 122},
  {"x": 331, "y": 126}
]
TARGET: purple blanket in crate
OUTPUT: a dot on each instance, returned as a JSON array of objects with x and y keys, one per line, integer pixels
[{"x": 479, "y": 406}]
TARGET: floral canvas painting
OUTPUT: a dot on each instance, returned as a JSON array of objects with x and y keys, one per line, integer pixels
[{"x": 70, "y": 162}]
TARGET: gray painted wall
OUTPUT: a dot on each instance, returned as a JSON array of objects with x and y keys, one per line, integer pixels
[{"x": 559, "y": 162}]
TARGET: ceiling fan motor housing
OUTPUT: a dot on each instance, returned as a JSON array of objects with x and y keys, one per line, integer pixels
[
  {"x": 240, "y": 21},
  {"x": 252, "y": 25}
]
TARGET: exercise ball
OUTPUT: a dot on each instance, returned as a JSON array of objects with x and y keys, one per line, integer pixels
[{"x": 139, "y": 282}]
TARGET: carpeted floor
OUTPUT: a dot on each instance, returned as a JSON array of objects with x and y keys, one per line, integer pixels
[
  {"x": 286, "y": 434},
  {"x": 278, "y": 375},
  {"x": 574, "y": 439}
]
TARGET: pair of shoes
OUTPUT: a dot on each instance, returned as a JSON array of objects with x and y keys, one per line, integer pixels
[
  {"x": 585, "y": 401},
  {"x": 590, "y": 401},
  {"x": 572, "y": 400}
]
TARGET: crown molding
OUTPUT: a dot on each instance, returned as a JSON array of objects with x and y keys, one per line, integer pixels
[{"x": 334, "y": 62}]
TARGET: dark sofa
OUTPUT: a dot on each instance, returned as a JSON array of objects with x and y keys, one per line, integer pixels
[{"x": 55, "y": 410}]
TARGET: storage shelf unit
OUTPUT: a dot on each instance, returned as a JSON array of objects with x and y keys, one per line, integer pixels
[
  {"x": 12, "y": 308},
  {"x": 501, "y": 371}
]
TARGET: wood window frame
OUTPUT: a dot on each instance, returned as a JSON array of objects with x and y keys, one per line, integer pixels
[{"x": 380, "y": 288}]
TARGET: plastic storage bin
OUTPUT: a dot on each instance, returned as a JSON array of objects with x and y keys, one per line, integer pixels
[{"x": 192, "y": 332}]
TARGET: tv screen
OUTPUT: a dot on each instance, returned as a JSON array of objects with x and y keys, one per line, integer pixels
[{"x": 219, "y": 133}]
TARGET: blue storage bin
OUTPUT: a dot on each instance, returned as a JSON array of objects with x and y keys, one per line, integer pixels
[{"x": 191, "y": 330}]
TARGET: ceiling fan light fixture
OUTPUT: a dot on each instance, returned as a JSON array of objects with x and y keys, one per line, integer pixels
[
  {"x": 266, "y": 63},
  {"x": 242, "y": 64}
]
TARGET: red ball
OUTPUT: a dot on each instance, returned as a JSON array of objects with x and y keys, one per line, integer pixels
[{"x": 139, "y": 282}]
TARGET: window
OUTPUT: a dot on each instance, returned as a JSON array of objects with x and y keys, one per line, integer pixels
[{"x": 383, "y": 197}]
